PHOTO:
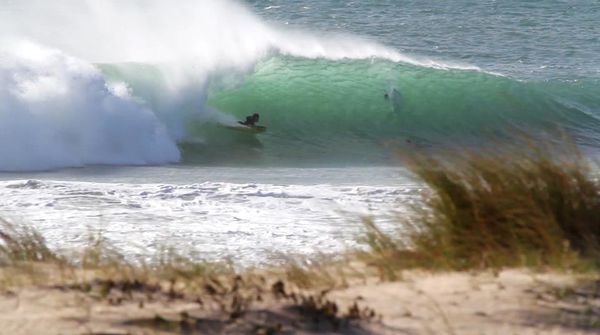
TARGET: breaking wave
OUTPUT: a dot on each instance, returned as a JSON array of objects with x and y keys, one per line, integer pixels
[{"x": 153, "y": 82}]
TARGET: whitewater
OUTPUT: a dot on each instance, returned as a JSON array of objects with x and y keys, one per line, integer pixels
[{"x": 112, "y": 113}]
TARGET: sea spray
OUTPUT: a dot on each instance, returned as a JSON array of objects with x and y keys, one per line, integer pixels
[
  {"x": 200, "y": 35},
  {"x": 57, "y": 111}
]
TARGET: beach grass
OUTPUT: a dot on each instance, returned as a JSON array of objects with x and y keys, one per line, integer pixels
[
  {"x": 20, "y": 244},
  {"x": 102, "y": 274},
  {"x": 527, "y": 204}
]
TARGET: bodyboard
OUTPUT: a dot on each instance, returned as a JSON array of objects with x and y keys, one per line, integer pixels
[{"x": 248, "y": 129}]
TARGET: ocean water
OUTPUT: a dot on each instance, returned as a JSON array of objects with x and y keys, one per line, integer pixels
[{"x": 114, "y": 114}]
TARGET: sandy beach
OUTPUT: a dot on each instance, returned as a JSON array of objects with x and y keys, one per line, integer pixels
[{"x": 506, "y": 302}]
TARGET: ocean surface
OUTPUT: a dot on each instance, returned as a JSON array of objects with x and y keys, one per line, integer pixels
[{"x": 114, "y": 115}]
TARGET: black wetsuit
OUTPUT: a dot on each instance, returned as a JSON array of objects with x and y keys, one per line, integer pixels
[{"x": 250, "y": 120}]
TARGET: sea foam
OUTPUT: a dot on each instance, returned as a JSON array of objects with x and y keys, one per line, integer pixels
[{"x": 58, "y": 111}]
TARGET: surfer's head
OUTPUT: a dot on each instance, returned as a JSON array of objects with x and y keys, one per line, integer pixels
[{"x": 255, "y": 116}]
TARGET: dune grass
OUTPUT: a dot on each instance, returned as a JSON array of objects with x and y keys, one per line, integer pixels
[
  {"x": 529, "y": 204},
  {"x": 19, "y": 244}
]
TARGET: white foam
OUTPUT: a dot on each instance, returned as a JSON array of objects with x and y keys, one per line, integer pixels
[
  {"x": 57, "y": 111},
  {"x": 216, "y": 219}
]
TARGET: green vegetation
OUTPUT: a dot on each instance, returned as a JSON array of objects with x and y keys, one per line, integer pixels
[{"x": 524, "y": 205}]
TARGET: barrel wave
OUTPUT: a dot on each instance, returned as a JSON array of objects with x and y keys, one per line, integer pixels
[
  {"x": 359, "y": 111},
  {"x": 164, "y": 87}
]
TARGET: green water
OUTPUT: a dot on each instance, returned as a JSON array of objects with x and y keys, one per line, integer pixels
[{"x": 480, "y": 70}]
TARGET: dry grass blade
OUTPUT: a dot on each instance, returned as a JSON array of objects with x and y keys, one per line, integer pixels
[
  {"x": 519, "y": 205},
  {"x": 99, "y": 253},
  {"x": 316, "y": 272},
  {"x": 22, "y": 244}
]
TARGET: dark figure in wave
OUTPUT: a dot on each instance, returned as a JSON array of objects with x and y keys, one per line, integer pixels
[{"x": 251, "y": 120}]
